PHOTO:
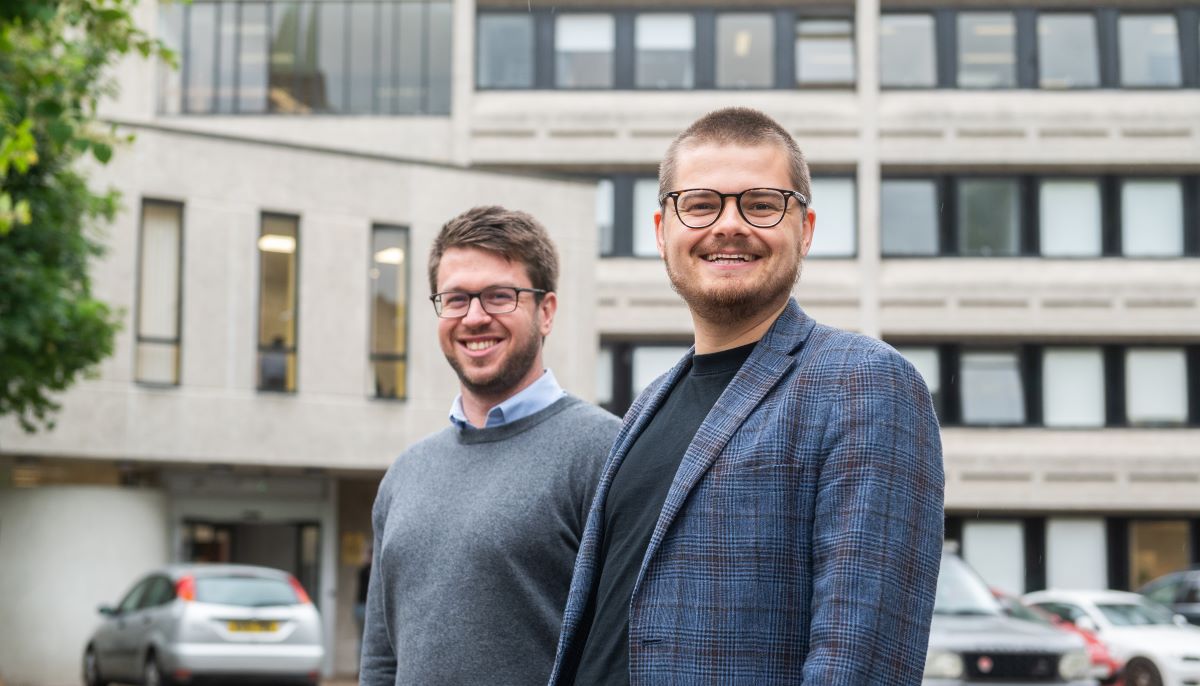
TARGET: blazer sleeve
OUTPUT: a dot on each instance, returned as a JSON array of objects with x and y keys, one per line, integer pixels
[
  {"x": 377, "y": 666},
  {"x": 877, "y": 530}
]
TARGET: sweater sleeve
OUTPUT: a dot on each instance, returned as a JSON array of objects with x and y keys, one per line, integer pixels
[{"x": 378, "y": 664}]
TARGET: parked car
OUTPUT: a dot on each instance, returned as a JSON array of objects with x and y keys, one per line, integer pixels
[
  {"x": 1179, "y": 591},
  {"x": 972, "y": 640},
  {"x": 1158, "y": 647},
  {"x": 1105, "y": 667},
  {"x": 184, "y": 624}
]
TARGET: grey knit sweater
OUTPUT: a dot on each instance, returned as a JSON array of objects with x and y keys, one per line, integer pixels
[{"x": 476, "y": 532}]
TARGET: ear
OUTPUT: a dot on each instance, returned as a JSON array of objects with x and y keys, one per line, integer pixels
[
  {"x": 546, "y": 310},
  {"x": 658, "y": 233},
  {"x": 806, "y": 230}
]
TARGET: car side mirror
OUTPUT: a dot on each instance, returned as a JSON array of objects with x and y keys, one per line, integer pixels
[
  {"x": 1180, "y": 620},
  {"x": 1086, "y": 623},
  {"x": 107, "y": 610}
]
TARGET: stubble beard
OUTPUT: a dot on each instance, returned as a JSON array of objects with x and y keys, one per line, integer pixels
[
  {"x": 511, "y": 372},
  {"x": 730, "y": 304}
]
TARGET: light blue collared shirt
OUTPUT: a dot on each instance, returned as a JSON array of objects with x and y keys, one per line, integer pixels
[{"x": 535, "y": 397}]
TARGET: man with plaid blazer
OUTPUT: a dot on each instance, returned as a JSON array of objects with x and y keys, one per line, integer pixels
[{"x": 771, "y": 511}]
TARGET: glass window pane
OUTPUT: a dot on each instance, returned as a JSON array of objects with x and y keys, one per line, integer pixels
[
  {"x": 252, "y": 60},
  {"x": 292, "y": 69},
  {"x": 907, "y": 51},
  {"x": 996, "y": 550},
  {"x": 330, "y": 79},
  {"x": 1152, "y": 218},
  {"x": 825, "y": 52},
  {"x": 170, "y": 79},
  {"x": 157, "y": 363},
  {"x": 201, "y": 57},
  {"x": 745, "y": 51},
  {"x": 389, "y": 291},
  {"x": 1149, "y": 50},
  {"x": 410, "y": 91},
  {"x": 1076, "y": 553},
  {"x": 991, "y": 388},
  {"x": 1157, "y": 548},
  {"x": 439, "y": 45},
  {"x": 604, "y": 375},
  {"x": 988, "y": 217},
  {"x": 1156, "y": 386},
  {"x": 227, "y": 21},
  {"x": 277, "y": 246},
  {"x": 651, "y": 361},
  {"x": 158, "y": 280},
  {"x": 835, "y": 204},
  {"x": 1069, "y": 218},
  {"x": 1073, "y": 387},
  {"x": 1068, "y": 56},
  {"x": 909, "y": 221},
  {"x": 505, "y": 55},
  {"x": 389, "y": 377},
  {"x": 584, "y": 50},
  {"x": 604, "y": 215},
  {"x": 987, "y": 50},
  {"x": 645, "y": 204},
  {"x": 387, "y": 64},
  {"x": 361, "y": 74},
  {"x": 928, "y": 363},
  {"x": 664, "y": 45}
]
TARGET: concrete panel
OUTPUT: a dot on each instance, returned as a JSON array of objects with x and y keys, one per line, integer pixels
[{"x": 64, "y": 551}]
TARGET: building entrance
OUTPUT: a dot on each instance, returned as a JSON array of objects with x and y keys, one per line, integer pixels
[{"x": 293, "y": 547}]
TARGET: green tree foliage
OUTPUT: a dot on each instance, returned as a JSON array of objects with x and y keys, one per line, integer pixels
[{"x": 53, "y": 60}]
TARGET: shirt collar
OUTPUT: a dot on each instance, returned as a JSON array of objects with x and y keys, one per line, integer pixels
[{"x": 533, "y": 398}]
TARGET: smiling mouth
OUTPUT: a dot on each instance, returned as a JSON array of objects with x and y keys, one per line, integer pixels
[
  {"x": 476, "y": 346},
  {"x": 729, "y": 258}
]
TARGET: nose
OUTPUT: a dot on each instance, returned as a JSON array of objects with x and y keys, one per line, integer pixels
[
  {"x": 476, "y": 315},
  {"x": 729, "y": 221}
]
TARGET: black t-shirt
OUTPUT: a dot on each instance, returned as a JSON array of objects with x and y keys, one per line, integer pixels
[{"x": 601, "y": 651}]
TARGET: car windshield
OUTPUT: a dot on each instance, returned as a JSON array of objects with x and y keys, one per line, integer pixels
[
  {"x": 961, "y": 592},
  {"x": 247, "y": 591},
  {"x": 1018, "y": 610},
  {"x": 1136, "y": 614}
]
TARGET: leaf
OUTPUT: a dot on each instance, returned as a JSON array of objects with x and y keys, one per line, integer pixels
[
  {"x": 50, "y": 109},
  {"x": 102, "y": 151},
  {"x": 60, "y": 131}
]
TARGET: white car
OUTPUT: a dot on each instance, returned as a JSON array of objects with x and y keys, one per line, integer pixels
[{"x": 1158, "y": 647}]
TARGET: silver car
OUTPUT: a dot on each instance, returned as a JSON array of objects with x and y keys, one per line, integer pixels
[{"x": 186, "y": 624}]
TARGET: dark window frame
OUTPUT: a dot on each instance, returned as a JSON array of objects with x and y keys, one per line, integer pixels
[
  {"x": 622, "y": 368},
  {"x": 177, "y": 341},
  {"x": 372, "y": 356},
  {"x": 259, "y": 348}
]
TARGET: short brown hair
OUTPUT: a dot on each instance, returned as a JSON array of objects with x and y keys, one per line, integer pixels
[
  {"x": 736, "y": 126},
  {"x": 512, "y": 234}
]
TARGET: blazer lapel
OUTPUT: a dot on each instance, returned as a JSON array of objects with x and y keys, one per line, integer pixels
[{"x": 766, "y": 365}]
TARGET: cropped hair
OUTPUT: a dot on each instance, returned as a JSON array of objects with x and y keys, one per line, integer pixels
[
  {"x": 512, "y": 234},
  {"x": 736, "y": 126}
]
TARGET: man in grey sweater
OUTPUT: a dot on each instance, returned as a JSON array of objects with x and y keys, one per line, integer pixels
[{"x": 477, "y": 526}]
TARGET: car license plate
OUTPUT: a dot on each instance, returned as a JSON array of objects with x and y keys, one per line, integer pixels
[{"x": 253, "y": 625}]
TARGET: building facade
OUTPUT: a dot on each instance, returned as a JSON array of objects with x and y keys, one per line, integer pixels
[{"x": 1007, "y": 192}]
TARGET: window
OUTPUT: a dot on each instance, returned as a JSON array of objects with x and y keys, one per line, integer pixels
[
  {"x": 1069, "y": 218},
  {"x": 645, "y": 204},
  {"x": 836, "y": 230},
  {"x": 1156, "y": 386},
  {"x": 285, "y": 56},
  {"x": 989, "y": 221},
  {"x": 623, "y": 370},
  {"x": 1152, "y": 217},
  {"x": 909, "y": 216},
  {"x": 160, "y": 271},
  {"x": 1076, "y": 553},
  {"x": 277, "y": 247},
  {"x": 1149, "y": 50},
  {"x": 1068, "y": 56},
  {"x": 745, "y": 51},
  {"x": 987, "y": 50},
  {"x": 604, "y": 215},
  {"x": 1072, "y": 387},
  {"x": 170, "y": 79},
  {"x": 389, "y": 311},
  {"x": 907, "y": 55},
  {"x": 928, "y": 363},
  {"x": 1157, "y": 548},
  {"x": 651, "y": 362},
  {"x": 996, "y": 550},
  {"x": 505, "y": 55},
  {"x": 825, "y": 52},
  {"x": 604, "y": 377},
  {"x": 992, "y": 392},
  {"x": 584, "y": 51},
  {"x": 664, "y": 44}
]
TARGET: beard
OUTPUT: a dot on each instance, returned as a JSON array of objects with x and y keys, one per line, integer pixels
[
  {"x": 730, "y": 303},
  {"x": 511, "y": 372}
]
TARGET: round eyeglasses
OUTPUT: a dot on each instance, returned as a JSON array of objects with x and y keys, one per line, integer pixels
[
  {"x": 494, "y": 299},
  {"x": 762, "y": 208}
]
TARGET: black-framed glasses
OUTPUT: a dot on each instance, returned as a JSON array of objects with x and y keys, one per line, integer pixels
[
  {"x": 493, "y": 299},
  {"x": 762, "y": 208}
]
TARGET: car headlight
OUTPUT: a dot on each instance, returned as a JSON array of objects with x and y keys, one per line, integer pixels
[
  {"x": 943, "y": 665},
  {"x": 1074, "y": 665}
]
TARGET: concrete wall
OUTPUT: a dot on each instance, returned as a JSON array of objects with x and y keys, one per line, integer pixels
[{"x": 64, "y": 551}]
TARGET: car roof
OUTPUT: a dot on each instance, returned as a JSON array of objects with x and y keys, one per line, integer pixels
[
  {"x": 207, "y": 569},
  {"x": 1082, "y": 596}
]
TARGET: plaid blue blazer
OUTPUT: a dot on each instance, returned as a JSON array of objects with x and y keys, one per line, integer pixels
[{"x": 801, "y": 537}]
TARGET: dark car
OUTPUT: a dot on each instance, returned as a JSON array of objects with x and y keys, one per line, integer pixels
[{"x": 1179, "y": 591}]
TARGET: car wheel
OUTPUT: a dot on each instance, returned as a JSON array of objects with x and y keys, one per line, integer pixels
[
  {"x": 91, "y": 669},
  {"x": 1142, "y": 672},
  {"x": 152, "y": 674}
]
